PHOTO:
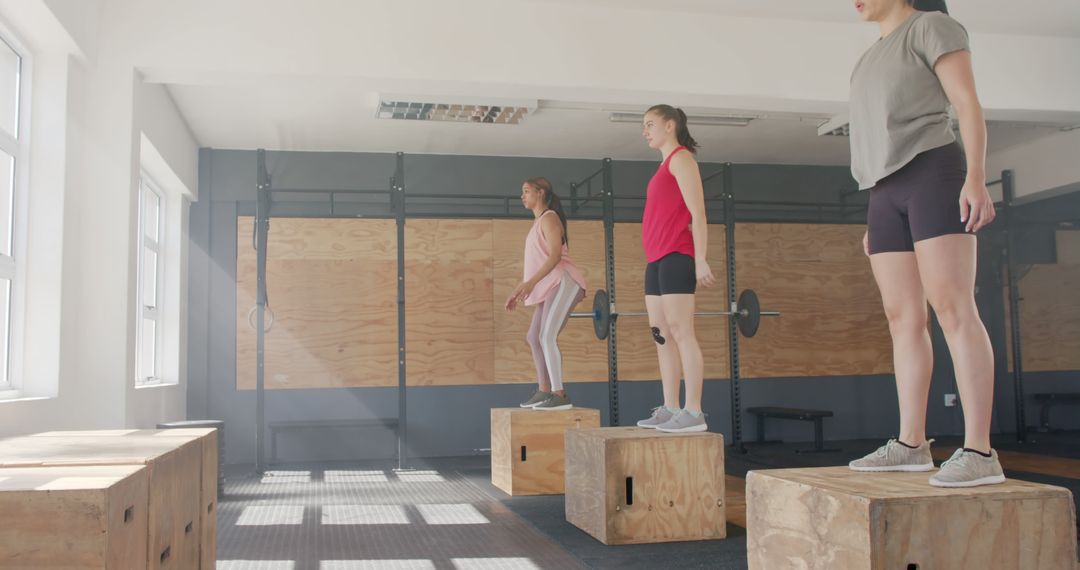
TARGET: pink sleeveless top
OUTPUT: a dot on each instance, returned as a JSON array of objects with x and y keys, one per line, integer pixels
[{"x": 536, "y": 254}]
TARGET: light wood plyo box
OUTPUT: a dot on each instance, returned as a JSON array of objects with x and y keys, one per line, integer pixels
[
  {"x": 629, "y": 485},
  {"x": 527, "y": 447},
  {"x": 174, "y": 467},
  {"x": 77, "y": 518},
  {"x": 207, "y": 439},
  {"x": 833, "y": 517}
]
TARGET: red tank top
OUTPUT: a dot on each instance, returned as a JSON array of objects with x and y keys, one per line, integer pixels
[{"x": 665, "y": 227}]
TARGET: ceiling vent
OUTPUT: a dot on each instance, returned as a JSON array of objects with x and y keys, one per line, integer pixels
[
  {"x": 837, "y": 126},
  {"x": 447, "y": 110}
]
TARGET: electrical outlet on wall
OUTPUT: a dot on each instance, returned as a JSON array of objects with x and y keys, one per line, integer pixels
[{"x": 950, "y": 400}]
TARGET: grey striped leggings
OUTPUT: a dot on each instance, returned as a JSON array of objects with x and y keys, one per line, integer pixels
[{"x": 548, "y": 321}]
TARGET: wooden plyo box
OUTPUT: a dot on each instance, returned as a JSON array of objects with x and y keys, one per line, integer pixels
[
  {"x": 207, "y": 439},
  {"x": 77, "y": 518},
  {"x": 833, "y": 517},
  {"x": 174, "y": 466},
  {"x": 632, "y": 485},
  {"x": 527, "y": 447}
]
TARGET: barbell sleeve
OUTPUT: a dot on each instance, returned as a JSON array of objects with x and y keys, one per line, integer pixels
[
  {"x": 746, "y": 312},
  {"x": 697, "y": 314}
]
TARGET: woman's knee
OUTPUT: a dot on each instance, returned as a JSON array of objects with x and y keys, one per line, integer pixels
[
  {"x": 953, "y": 313},
  {"x": 659, "y": 329},
  {"x": 533, "y": 337},
  {"x": 906, "y": 317},
  {"x": 548, "y": 340},
  {"x": 681, "y": 331}
]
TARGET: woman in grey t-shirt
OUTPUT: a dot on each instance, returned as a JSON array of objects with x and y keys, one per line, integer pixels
[{"x": 927, "y": 198}]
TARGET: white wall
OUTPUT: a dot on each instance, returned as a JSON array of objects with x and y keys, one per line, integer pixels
[
  {"x": 91, "y": 116},
  {"x": 171, "y": 139},
  {"x": 79, "y": 19},
  {"x": 168, "y": 154},
  {"x": 1041, "y": 165}
]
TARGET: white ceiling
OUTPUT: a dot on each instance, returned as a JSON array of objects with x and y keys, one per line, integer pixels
[
  {"x": 313, "y": 118},
  {"x": 296, "y": 101},
  {"x": 1024, "y": 17}
]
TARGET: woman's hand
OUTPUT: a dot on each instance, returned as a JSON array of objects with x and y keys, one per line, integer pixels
[
  {"x": 866, "y": 243},
  {"x": 705, "y": 276},
  {"x": 520, "y": 292},
  {"x": 976, "y": 206}
]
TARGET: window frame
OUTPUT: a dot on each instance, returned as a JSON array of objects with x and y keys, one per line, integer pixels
[
  {"x": 144, "y": 312},
  {"x": 13, "y": 266}
]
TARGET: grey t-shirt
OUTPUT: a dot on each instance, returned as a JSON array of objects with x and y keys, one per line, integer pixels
[{"x": 898, "y": 107}]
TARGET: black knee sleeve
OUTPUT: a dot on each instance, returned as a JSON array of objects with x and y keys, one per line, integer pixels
[{"x": 657, "y": 336}]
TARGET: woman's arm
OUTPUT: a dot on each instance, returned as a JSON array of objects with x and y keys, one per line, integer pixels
[
  {"x": 958, "y": 80},
  {"x": 686, "y": 172}
]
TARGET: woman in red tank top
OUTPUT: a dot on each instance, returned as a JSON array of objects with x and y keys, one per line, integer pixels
[{"x": 674, "y": 234}]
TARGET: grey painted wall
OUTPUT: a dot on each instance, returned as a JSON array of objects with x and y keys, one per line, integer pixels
[{"x": 447, "y": 421}]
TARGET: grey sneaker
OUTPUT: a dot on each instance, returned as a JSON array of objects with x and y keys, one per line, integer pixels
[
  {"x": 684, "y": 422},
  {"x": 554, "y": 402},
  {"x": 969, "y": 469},
  {"x": 536, "y": 399},
  {"x": 660, "y": 415},
  {"x": 895, "y": 456}
]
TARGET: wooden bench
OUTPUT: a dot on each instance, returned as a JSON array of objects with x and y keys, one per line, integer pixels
[
  {"x": 816, "y": 416},
  {"x": 1049, "y": 400},
  {"x": 308, "y": 425}
]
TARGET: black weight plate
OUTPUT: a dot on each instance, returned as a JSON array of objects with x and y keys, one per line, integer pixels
[
  {"x": 749, "y": 318},
  {"x": 601, "y": 313}
]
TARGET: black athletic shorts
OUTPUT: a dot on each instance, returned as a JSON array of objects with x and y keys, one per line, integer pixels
[
  {"x": 919, "y": 201},
  {"x": 673, "y": 274}
]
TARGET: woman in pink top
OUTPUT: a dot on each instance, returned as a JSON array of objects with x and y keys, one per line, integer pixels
[
  {"x": 674, "y": 234},
  {"x": 551, "y": 282}
]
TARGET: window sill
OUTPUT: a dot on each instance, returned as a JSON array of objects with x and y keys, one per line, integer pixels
[
  {"x": 152, "y": 385},
  {"x": 14, "y": 395}
]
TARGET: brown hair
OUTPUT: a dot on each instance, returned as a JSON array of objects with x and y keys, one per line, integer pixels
[
  {"x": 929, "y": 5},
  {"x": 682, "y": 132},
  {"x": 550, "y": 200}
]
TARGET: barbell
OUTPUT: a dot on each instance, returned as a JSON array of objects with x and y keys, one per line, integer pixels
[{"x": 747, "y": 313}]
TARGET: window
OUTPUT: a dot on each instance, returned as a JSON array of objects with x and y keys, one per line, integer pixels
[
  {"x": 148, "y": 360},
  {"x": 14, "y": 86}
]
